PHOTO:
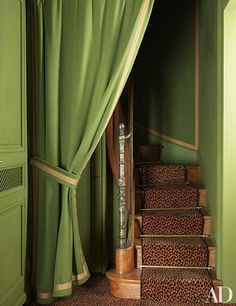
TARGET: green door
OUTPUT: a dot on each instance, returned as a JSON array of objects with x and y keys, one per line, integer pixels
[{"x": 13, "y": 153}]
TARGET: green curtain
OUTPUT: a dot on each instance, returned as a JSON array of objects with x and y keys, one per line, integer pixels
[
  {"x": 93, "y": 210},
  {"x": 85, "y": 51}
]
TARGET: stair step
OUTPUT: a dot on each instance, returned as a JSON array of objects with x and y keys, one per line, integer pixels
[
  {"x": 147, "y": 153},
  {"x": 172, "y": 196},
  {"x": 175, "y": 286},
  {"x": 124, "y": 285},
  {"x": 139, "y": 200},
  {"x": 175, "y": 222},
  {"x": 192, "y": 172},
  {"x": 188, "y": 252},
  {"x": 206, "y": 227},
  {"x": 163, "y": 174},
  {"x": 175, "y": 251}
]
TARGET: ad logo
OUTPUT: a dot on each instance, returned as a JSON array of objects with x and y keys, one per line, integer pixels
[{"x": 219, "y": 299}]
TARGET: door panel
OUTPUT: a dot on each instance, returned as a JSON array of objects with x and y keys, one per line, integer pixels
[
  {"x": 11, "y": 66},
  {"x": 13, "y": 153},
  {"x": 11, "y": 256}
]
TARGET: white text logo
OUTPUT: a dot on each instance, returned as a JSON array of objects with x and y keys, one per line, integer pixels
[{"x": 219, "y": 299}]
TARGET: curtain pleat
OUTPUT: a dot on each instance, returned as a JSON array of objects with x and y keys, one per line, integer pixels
[{"x": 85, "y": 51}]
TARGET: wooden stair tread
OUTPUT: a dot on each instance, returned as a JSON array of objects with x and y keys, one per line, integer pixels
[
  {"x": 125, "y": 286},
  {"x": 130, "y": 277}
]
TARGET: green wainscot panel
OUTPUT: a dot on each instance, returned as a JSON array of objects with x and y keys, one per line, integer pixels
[
  {"x": 10, "y": 73},
  {"x": 11, "y": 254},
  {"x": 13, "y": 153}
]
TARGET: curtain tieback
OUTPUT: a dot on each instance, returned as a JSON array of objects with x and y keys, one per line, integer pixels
[{"x": 58, "y": 174}]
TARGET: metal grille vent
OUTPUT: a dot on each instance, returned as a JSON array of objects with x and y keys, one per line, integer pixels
[{"x": 10, "y": 178}]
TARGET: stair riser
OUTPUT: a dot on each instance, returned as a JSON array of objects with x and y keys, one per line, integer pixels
[
  {"x": 139, "y": 201},
  {"x": 192, "y": 175},
  {"x": 162, "y": 174},
  {"x": 210, "y": 263},
  {"x": 156, "y": 255},
  {"x": 173, "y": 225},
  {"x": 207, "y": 226},
  {"x": 202, "y": 197},
  {"x": 138, "y": 226},
  {"x": 171, "y": 198},
  {"x": 168, "y": 292}
]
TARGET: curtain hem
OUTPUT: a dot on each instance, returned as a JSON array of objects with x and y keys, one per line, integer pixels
[{"x": 49, "y": 297}]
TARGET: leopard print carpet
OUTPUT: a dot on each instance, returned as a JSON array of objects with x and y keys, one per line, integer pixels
[
  {"x": 163, "y": 174},
  {"x": 172, "y": 251},
  {"x": 171, "y": 196},
  {"x": 172, "y": 222},
  {"x": 165, "y": 187},
  {"x": 175, "y": 286}
]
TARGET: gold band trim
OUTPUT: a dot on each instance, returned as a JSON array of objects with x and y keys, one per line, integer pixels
[
  {"x": 52, "y": 172},
  {"x": 133, "y": 47},
  {"x": 143, "y": 13},
  {"x": 58, "y": 287},
  {"x": 171, "y": 208},
  {"x": 174, "y": 236},
  {"x": 44, "y": 295},
  {"x": 175, "y": 267},
  {"x": 79, "y": 276}
]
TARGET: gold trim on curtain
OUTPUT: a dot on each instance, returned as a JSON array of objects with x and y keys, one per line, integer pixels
[
  {"x": 57, "y": 287},
  {"x": 64, "y": 178},
  {"x": 68, "y": 139},
  {"x": 130, "y": 58}
]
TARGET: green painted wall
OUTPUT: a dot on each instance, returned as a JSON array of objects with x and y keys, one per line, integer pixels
[
  {"x": 209, "y": 119},
  {"x": 229, "y": 149},
  {"x": 216, "y": 140},
  {"x": 171, "y": 153},
  {"x": 164, "y": 71}
]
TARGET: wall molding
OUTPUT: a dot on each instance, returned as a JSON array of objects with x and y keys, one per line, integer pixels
[
  {"x": 197, "y": 64},
  {"x": 165, "y": 137}
]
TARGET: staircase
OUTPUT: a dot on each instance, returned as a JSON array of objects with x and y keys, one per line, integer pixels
[
  {"x": 174, "y": 255},
  {"x": 174, "y": 251}
]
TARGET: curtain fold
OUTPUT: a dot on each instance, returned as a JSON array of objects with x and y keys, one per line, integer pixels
[{"x": 85, "y": 51}]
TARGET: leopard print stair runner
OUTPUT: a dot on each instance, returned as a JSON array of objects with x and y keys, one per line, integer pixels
[
  {"x": 174, "y": 269},
  {"x": 178, "y": 251},
  {"x": 172, "y": 222},
  {"x": 173, "y": 286},
  {"x": 163, "y": 174},
  {"x": 171, "y": 196}
]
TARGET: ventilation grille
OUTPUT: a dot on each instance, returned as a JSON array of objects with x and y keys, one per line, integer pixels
[{"x": 10, "y": 178}]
